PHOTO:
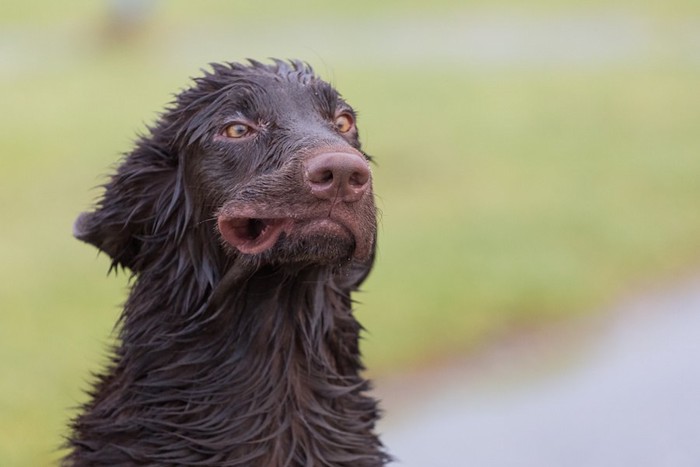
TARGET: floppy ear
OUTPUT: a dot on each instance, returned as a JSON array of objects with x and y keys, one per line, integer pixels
[{"x": 143, "y": 208}]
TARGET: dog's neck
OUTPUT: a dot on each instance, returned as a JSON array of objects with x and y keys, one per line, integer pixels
[{"x": 262, "y": 369}]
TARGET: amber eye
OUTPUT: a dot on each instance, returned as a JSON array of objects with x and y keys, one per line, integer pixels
[
  {"x": 343, "y": 123},
  {"x": 237, "y": 130}
]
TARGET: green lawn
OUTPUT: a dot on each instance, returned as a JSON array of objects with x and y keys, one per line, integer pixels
[{"x": 511, "y": 196}]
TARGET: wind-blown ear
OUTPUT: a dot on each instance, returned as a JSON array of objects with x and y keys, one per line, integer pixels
[
  {"x": 94, "y": 228},
  {"x": 143, "y": 207}
]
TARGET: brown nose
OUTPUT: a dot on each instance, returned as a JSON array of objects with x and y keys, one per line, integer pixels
[{"x": 340, "y": 175}]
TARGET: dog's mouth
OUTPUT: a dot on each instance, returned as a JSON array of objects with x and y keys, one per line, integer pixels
[
  {"x": 252, "y": 235},
  {"x": 297, "y": 233}
]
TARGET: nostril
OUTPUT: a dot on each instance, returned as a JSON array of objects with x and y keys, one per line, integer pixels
[
  {"x": 321, "y": 176},
  {"x": 359, "y": 178}
]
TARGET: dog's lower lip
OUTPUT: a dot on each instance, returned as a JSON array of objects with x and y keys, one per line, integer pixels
[
  {"x": 251, "y": 235},
  {"x": 250, "y": 229}
]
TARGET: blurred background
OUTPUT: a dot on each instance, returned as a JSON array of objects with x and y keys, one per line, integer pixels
[{"x": 535, "y": 299}]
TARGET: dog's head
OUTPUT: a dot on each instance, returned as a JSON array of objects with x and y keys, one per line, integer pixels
[{"x": 262, "y": 160}]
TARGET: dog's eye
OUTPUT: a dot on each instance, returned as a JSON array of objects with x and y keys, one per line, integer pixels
[
  {"x": 237, "y": 130},
  {"x": 344, "y": 123}
]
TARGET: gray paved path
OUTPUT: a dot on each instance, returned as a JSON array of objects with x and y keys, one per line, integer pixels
[{"x": 629, "y": 397}]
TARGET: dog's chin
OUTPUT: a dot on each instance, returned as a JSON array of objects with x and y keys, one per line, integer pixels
[{"x": 312, "y": 249}]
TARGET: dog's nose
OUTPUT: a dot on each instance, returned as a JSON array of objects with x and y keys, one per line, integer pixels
[{"x": 337, "y": 175}]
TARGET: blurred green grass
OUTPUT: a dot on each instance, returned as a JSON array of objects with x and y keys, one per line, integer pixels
[{"x": 511, "y": 196}]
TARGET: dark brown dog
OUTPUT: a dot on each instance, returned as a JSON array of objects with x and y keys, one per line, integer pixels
[{"x": 247, "y": 219}]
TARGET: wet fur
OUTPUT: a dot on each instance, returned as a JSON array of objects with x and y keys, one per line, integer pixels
[{"x": 223, "y": 359}]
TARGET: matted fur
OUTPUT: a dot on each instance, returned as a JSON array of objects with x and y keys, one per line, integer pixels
[{"x": 226, "y": 359}]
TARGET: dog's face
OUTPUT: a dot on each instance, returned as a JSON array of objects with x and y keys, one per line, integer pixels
[{"x": 270, "y": 156}]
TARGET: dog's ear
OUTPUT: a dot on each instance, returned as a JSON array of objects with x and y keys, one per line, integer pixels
[{"x": 143, "y": 208}]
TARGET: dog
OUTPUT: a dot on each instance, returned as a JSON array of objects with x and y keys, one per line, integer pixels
[{"x": 246, "y": 217}]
